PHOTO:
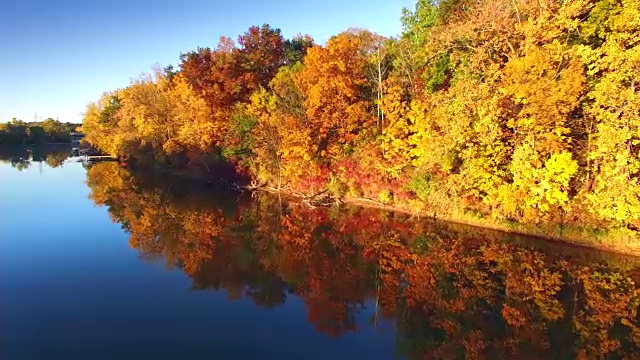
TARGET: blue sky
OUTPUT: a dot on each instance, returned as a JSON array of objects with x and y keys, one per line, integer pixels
[{"x": 56, "y": 56}]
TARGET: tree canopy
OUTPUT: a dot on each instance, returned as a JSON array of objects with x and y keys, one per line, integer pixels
[{"x": 523, "y": 111}]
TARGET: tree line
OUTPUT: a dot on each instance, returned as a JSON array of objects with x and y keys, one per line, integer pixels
[
  {"x": 49, "y": 130},
  {"x": 508, "y": 111}
]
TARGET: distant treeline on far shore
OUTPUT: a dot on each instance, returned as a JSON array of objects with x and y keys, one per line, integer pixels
[{"x": 46, "y": 131}]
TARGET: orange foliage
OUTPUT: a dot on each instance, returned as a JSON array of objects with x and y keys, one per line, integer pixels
[
  {"x": 332, "y": 82},
  {"x": 451, "y": 293}
]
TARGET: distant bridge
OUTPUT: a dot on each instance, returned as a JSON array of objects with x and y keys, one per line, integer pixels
[
  {"x": 100, "y": 158},
  {"x": 76, "y": 137}
]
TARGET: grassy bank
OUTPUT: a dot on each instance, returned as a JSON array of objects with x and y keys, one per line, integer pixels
[{"x": 621, "y": 241}]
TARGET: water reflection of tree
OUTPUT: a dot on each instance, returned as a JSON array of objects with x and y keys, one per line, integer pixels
[
  {"x": 18, "y": 157},
  {"x": 21, "y": 157},
  {"x": 452, "y": 292},
  {"x": 56, "y": 159}
]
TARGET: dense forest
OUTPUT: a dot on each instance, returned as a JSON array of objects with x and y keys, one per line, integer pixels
[
  {"x": 47, "y": 131},
  {"x": 511, "y": 112},
  {"x": 451, "y": 292}
]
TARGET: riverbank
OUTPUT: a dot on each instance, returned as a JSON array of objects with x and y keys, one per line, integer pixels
[{"x": 620, "y": 241}]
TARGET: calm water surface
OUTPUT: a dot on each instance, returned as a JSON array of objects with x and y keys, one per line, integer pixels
[{"x": 100, "y": 263}]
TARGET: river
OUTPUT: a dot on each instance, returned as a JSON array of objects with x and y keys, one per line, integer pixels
[{"x": 97, "y": 262}]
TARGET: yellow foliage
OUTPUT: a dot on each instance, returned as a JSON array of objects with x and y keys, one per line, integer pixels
[
  {"x": 283, "y": 146},
  {"x": 396, "y": 132},
  {"x": 527, "y": 110},
  {"x": 537, "y": 186},
  {"x": 546, "y": 85},
  {"x": 614, "y": 153}
]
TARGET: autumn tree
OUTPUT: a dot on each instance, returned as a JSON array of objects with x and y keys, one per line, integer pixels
[
  {"x": 262, "y": 53},
  {"x": 101, "y": 123},
  {"x": 334, "y": 88},
  {"x": 231, "y": 72},
  {"x": 612, "y": 56},
  {"x": 283, "y": 144},
  {"x": 520, "y": 111},
  {"x": 296, "y": 48}
]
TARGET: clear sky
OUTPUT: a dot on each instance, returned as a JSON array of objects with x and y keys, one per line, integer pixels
[{"x": 56, "y": 56}]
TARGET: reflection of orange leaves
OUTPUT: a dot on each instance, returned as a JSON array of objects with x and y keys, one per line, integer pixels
[
  {"x": 474, "y": 345},
  {"x": 450, "y": 326},
  {"x": 513, "y": 316},
  {"x": 582, "y": 355},
  {"x": 423, "y": 276},
  {"x": 333, "y": 316},
  {"x": 422, "y": 283},
  {"x": 610, "y": 298}
]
